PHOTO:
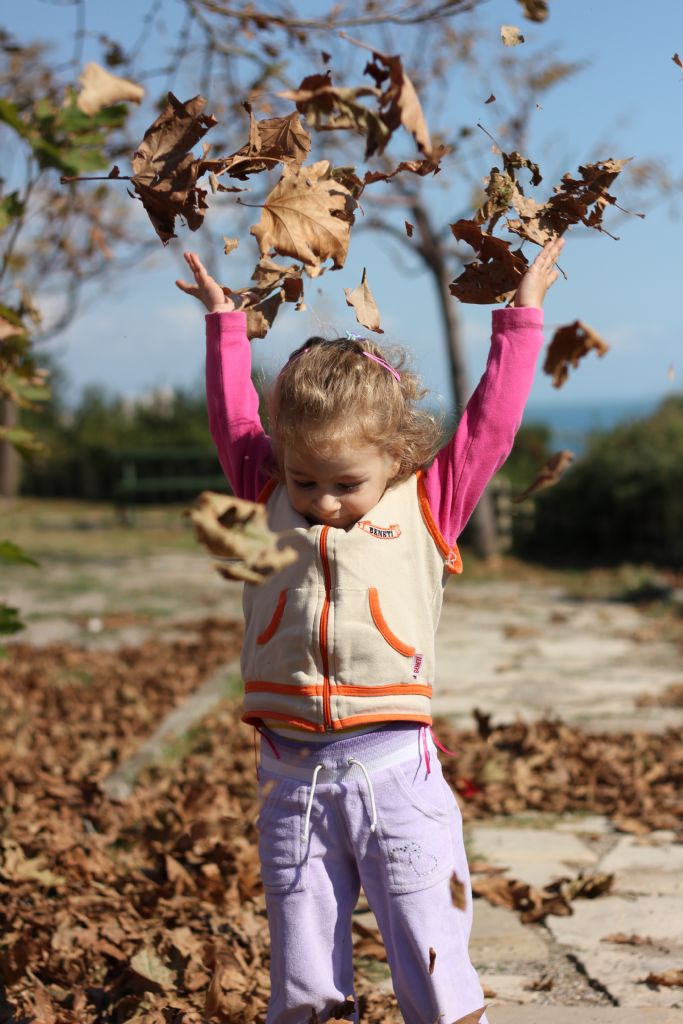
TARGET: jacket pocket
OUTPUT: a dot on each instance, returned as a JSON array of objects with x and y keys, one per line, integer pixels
[
  {"x": 271, "y": 629},
  {"x": 380, "y": 622}
]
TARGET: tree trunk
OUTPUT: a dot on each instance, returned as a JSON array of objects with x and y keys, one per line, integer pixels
[{"x": 10, "y": 463}]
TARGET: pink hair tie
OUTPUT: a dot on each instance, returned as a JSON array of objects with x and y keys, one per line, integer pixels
[{"x": 382, "y": 362}]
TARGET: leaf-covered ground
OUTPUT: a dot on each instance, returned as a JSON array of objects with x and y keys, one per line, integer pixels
[{"x": 152, "y": 910}]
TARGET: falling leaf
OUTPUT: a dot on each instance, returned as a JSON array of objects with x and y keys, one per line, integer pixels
[
  {"x": 471, "y": 1018},
  {"x": 332, "y": 108},
  {"x": 511, "y": 35},
  {"x": 428, "y": 165},
  {"x": 364, "y": 305},
  {"x": 677, "y": 60},
  {"x": 271, "y": 141},
  {"x": 234, "y": 529},
  {"x": 580, "y": 200},
  {"x": 432, "y": 959},
  {"x": 569, "y": 344},
  {"x": 458, "y": 897},
  {"x": 553, "y": 470},
  {"x": 260, "y": 317},
  {"x": 166, "y": 171},
  {"x": 409, "y": 228},
  {"x": 99, "y": 88},
  {"x": 535, "y": 10},
  {"x": 491, "y": 99},
  {"x": 229, "y": 245},
  {"x": 671, "y": 372},
  {"x": 308, "y": 216},
  {"x": 492, "y": 278},
  {"x": 399, "y": 101}
]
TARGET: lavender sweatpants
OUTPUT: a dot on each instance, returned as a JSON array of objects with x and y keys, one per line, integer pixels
[{"x": 384, "y": 822}]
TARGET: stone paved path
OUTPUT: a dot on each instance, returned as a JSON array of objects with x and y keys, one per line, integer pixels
[{"x": 512, "y": 650}]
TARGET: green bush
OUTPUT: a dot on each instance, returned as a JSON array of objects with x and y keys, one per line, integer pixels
[{"x": 622, "y": 501}]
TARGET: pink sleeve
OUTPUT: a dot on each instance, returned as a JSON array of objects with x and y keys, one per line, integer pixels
[
  {"x": 456, "y": 479},
  {"x": 244, "y": 449}
]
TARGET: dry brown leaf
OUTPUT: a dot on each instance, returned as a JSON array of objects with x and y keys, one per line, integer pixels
[
  {"x": 229, "y": 245},
  {"x": 677, "y": 60},
  {"x": 568, "y": 345},
  {"x": 234, "y": 529},
  {"x": 331, "y": 108},
  {"x": 471, "y": 1018},
  {"x": 492, "y": 278},
  {"x": 458, "y": 897},
  {"x": 622, "y": 939},
  {"x": 511, "y": 35},
  {"x": 166, "y": 172},
  {"x": 272, "y": 141},
  {"x": 99, "y": 89},
  {"x": 670, "y": 979},
  {"x": 364, "y": 306},
  {"x": 553, "y": 471},
  {"x": 535, "y": 10},
  {"x": 308, "y": 216},
  {"x": 428, "y": 165},
  {"x": 491, "y": 99},
  {"x": 398, "y": 100},
  {"x": 409, "y": 228},
  {"x": 542, "y": 984}
]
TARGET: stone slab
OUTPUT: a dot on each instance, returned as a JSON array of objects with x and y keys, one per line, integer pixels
[
  {"x": 499, "y": 937},
  {"x": 536, "y": 856},
  {"x": 654, "y": 867},
  {"x": 621, "y": 969},
  {"x": 583, "y": 1015}
]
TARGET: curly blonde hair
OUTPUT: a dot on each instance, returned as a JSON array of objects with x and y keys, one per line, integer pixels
[{"x": 329, "y": 391}]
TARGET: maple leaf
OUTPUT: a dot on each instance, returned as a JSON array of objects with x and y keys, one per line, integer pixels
[
  {"x": 511, "y": 35},
  {"x": 166, "y": 172},
  {"x": 569, "y": 344},
  {"x": 272, "y": 141},
  {"x": 308, "y": 216},
  {"x": 99, "y": 88},
  {"x": 363, "y": 302},
  {"x": 553, "y": 470},
  {"x": 428, "y": 165},
  {"x": 237, "y": 530},
  {"x": 495, "y": 275}
]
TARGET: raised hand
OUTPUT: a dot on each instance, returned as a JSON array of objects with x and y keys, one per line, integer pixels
[
  {"x": 205, "y": 288},
  {"x": 539, "y": 277}
]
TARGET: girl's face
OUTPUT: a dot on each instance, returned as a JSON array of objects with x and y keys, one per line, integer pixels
[{"x": 339, "y": 488}]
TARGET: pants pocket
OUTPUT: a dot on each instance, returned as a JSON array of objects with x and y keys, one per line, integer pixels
[
  {"x": 282, "y": 850},
  {"x": 414, "y": 830}
]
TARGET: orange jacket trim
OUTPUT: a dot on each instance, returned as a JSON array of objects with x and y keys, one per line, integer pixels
[
  {"x": 267, "y": 490},
  {"x": 383, "y": 691},
  {"x": 451, "y": 554},
  {"x": 345, "y": 723},
  {"x": 271, "y": 629},
  {"x": 381, "y": 623}
]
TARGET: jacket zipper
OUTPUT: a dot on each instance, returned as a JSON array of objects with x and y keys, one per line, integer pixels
[{"x": 324, "y": 617}]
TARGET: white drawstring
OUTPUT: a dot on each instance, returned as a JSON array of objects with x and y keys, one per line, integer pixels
[
  {"x": 373, "y": 823},
  {"x": 309, "y": 806}
]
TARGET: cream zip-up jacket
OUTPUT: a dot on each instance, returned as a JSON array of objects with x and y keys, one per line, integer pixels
[{"x": 344, "y": 636}]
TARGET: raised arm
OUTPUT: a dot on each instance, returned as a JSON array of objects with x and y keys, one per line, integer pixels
[
  {"x": 244, "y": 449},
  {"x": 456, "y": 479}
]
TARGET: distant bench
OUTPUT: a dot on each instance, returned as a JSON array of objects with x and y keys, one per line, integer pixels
[{"x": 146, "y": 476}]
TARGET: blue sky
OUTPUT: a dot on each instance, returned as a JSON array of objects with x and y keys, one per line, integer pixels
[{"x": 627, "y": 101}]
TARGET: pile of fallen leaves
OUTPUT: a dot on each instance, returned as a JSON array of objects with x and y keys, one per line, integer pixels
[{"x": 153, "y": 909}]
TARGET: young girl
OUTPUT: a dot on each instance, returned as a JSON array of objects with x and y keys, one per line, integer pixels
[{"x": 338, "y": 658}]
